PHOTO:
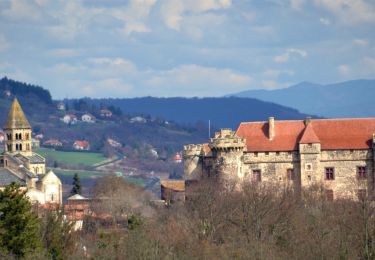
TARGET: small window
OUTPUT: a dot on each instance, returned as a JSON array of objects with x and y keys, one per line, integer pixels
[
  {"x": 290, "y": 174},
  {"x": 277, "y": 153},
  {"x": 329, "y": 195},
  {"x": 309, "y": 145},
  {"x": 266, "y": 153},
  {"x": 255, "y": 154},
  {"x": 361, "y": 173},
  {"x": 257, "y": 176},
  {"x": 290, "y": 153},
  {"x": 27, "y": 136},
  {"x": 330, "y": 173},
  {"x": 361, "y": 194}
]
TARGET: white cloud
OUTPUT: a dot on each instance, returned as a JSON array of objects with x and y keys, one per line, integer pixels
[
  {"x": 324, "y": 21},
  {"x": 195, "y": 80},
  {"x": 64, "y": 53},
  {"x": 289, "y": 53},
  {"x": 297, "y": 4},
  {"x": 350, "y": 11},
  {"x": 173, "y": 11},
  {"x": 344, "y": 69},
  {"x": 4, "y": 44},
  {"x": 24, "y": 10},
  {"x": 360, "y": 42},
  {"x": 276, "y": 73}
]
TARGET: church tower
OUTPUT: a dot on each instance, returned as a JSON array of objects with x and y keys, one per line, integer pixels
[{"x": 17, "y": 131}]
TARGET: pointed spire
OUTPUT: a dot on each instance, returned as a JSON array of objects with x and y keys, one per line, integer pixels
[
  {"x": 309, "y": 135},
  {"x": 16, "y": 117}
]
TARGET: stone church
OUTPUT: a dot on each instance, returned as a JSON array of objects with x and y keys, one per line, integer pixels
[
  {"x": 335, "y": 153},
  {"x": 19, "y": 164}
]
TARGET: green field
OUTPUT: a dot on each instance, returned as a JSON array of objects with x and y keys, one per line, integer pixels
[
  {"x": 93, "y": 174},
  {"x": 84, "y": 158}
]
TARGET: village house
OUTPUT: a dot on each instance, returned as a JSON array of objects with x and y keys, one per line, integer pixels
[
  {"x": 20, "y": 165},
  {"x": 138, "y": 119},
  {"x": 35, "y": 143},
  {"x": 88, "y": 118},
  {"x": 105, "y": 113},
  {"x": 60, "y": 106},
  {"x": 114, "y": 143},
  {"x": 177, "y": 158},
  {"x": 81, "y": 145},
  {"x": 70, "y": 119},
  {"x": 172, "y": 191},
  {"x": 335, "y": 153},
  {"x": 52, "y": 143},
  {"x": 39, "y": 136},
  {"x": 76, "y": 210},
  {"x": 2, "y": 136}
]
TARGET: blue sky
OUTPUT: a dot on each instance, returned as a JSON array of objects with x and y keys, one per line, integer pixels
[{"x": 102, "y": 48}]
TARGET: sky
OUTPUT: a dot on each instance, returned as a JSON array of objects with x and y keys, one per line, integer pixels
[{"x": 165, "y": 48}]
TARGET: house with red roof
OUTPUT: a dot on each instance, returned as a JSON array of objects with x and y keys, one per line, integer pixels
[
  {"x": 81, "y": 145},
  {"x": 337, "y": 154}
]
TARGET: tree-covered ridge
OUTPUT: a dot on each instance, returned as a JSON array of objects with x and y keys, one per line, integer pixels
[{"x": 18, "y": 89}]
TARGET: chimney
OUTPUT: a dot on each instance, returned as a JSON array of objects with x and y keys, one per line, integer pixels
[
  {"x": 271, "y": 128},
  {"x": 307, "y": 120}
]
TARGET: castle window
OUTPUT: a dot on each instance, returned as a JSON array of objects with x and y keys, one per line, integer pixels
[
  {"x": 266, "y": 153},
  {"x": 361, "y": 194},
  {"x": 309, "y": 145},
  {"x": 17, "y": 147},
  {"x": 290, "y": 153},
  {"x": 20, "y": 136},
  {"x": 28, "y": 147},
  {"x": 277, "y": 153},
  {"x": 255, "y": 154},
  {"x": 361, "y": 172},
  {"x": 9, "y": 146},
  {"x": 329, "y": 195},
  {"x": 9, "y": 137},
  {"x": 330, "y": 173},
  {"x": 257, "y": 176},
  {"x": 27, "y": 136},
  {"x": 290, "y": 174}
]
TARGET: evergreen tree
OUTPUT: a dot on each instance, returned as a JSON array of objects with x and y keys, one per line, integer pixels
[
  {"x": 77, "y": 188},
  {"x": 19, "y": 225}
]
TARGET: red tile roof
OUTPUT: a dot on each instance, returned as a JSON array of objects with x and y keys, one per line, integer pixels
[
  {"x": 333, "y": 134},
  {"x": 309, "y": 136}
]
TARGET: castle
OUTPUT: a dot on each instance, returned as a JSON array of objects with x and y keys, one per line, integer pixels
[
  {"x": 335, "y": 153},
  {"x": 20, "y": 165}
]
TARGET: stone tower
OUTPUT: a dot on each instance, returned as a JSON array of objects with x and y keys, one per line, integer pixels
[
  {"x": 227, "y": 151},
  {"x": 17, "y": 131},
  {"x": 192, "y": 156},
  {"x": 310, "y": 152}
]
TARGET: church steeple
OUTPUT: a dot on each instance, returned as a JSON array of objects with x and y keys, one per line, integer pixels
[
  {"x": 16, "y": 117},
  {"x": 17, "y": 131}
]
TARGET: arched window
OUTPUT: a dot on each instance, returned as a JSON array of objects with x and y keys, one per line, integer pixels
[
  {"x": 9, "y": 146},
  {"x": 16, "y": 136},
  {"x": 27, "y": 136},
  {"x": 28, "y": 147},
  {"x": 20, "y": 147},
  {"x": 20, "y": 136},
  {"x": 17, "y": 147},
  {"x": 36, "y": 170}
]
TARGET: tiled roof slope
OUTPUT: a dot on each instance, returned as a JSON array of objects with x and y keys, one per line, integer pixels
[
  {"x": 7, "y": 177},
  {"x": 176, "y": 185},
  {"x": 16, "y": 117},
  {"x": 333, "y": 134},
  {"x": 309, "y": 136}
]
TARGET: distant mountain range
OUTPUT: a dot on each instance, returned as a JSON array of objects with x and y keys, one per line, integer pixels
[
  {"x": 353, "y": 98},
  {"x": 223, "y": 112}
]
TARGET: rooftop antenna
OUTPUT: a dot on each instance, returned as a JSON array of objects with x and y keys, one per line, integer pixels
[{"x": 209, "y": 128}]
